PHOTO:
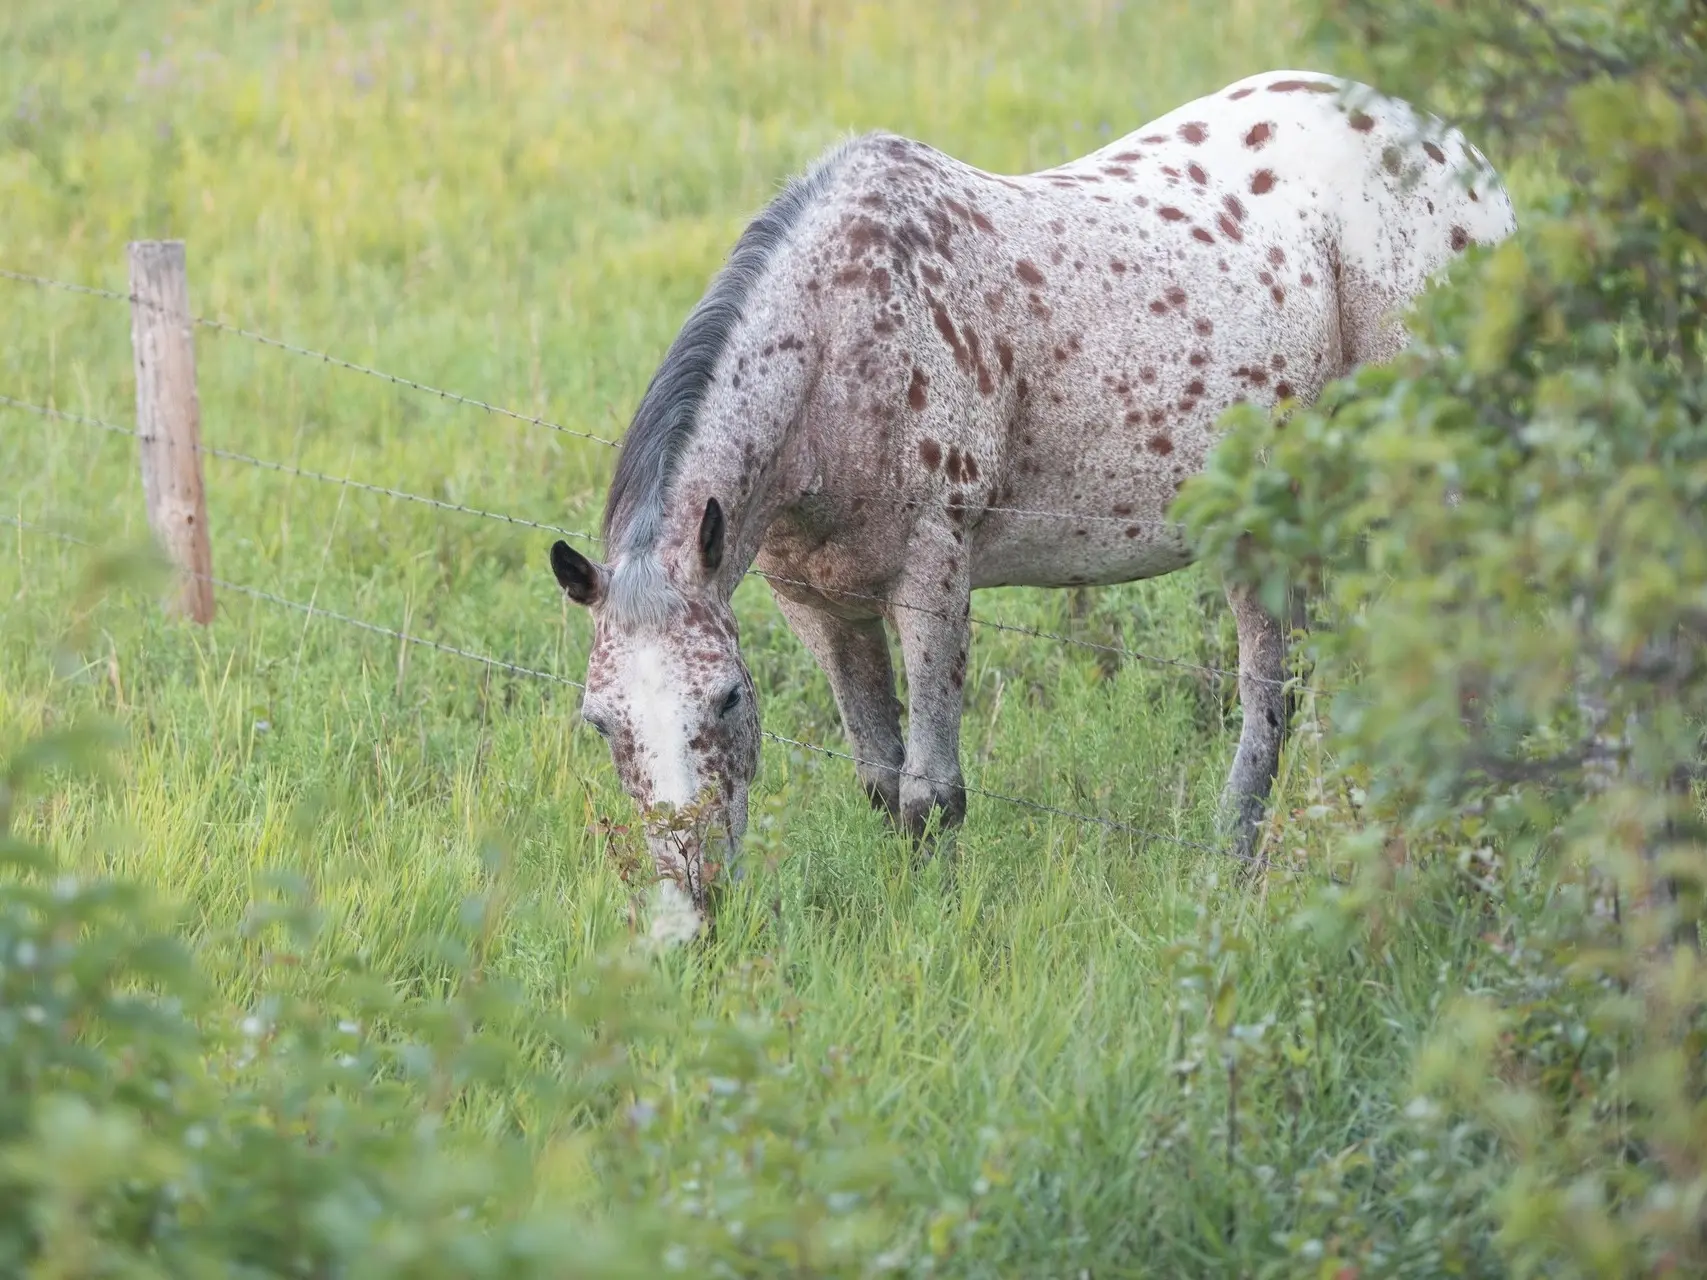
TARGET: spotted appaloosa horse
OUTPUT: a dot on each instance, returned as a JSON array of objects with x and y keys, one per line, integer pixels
[{"x": 906, "y": 359}]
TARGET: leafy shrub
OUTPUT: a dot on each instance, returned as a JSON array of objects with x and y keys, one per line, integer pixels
[{"x": 1507, "y": 531}]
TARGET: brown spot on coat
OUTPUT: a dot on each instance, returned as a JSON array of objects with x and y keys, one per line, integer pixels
[
  {"x": 916, "y": 390},
  {"x": 1283, "y": 390},
  {"x": 1194, "y": 132},
  {"x": 1460, "y": 238},
  {"x": 1307, "y": 86},
  {"x": 1027, "y": 270},
  {"x": 1199, "y": 233},
  {"x": 1170, "y": 214},
  {"x": 1434, "y": 153},
  {"x": 1259, "y": 135},
  {"x": 945, "y": 326},
  {"x": 1361, "y": 122},
  {"x": 1176, "y": 296},
  {"x": 930, "y": 453},
  {"x": 1198, "y": 173},
  {"x": 1229, "y": 228},
  {"x": 1240, "y": 93},
  {"x": 1160, "y": 444},
  {"x": 1262, "y": 182},
  {"x": 1005, "y": 355}
]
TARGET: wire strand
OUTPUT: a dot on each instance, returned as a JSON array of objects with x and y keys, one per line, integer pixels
[
  {"x": 325, "y": 357},
  {"x": 232, "y": 455}
]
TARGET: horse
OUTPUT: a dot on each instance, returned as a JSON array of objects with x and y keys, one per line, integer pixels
[{"x": 912, "y": 379}]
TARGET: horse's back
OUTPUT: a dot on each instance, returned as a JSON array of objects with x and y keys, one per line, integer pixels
[
  {"x": 1297, "y": 157},
  {"x": 1064, "y": 341}
]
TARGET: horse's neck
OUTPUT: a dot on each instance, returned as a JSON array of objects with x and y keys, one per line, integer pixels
[{"x": 748, "y": 451}]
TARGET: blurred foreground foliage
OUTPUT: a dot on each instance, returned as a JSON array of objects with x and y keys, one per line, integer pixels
[
  {"x": 148, "y": 1128},
  {"x": 1506, "y": 533}
]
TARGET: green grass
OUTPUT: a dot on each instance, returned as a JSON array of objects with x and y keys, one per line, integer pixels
[{"x": 520, "y": 204}]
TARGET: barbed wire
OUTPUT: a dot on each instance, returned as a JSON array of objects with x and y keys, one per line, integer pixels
[
  {"x": 1134, "y": 654},
  {"x": 338, "y": 361},
  {"x": 518, "y": 669},
  {"x": 231, "y": 455},
  {"x": 325, "y": 357},
  {"x": 320, "y": 612}
]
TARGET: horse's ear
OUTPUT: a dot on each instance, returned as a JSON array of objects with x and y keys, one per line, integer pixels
[
  {"x": 582, "y": 580},
  {"x": 711, "y": 536}
]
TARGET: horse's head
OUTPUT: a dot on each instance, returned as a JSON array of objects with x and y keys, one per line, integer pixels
[{"x": 667, "y": 688}]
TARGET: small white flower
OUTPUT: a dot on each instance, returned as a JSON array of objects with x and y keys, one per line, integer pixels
[
  {"x": 26, "y": 954},
  {"x": 1421, "y": 1109},
  {"x": 252, "y": 1027}
]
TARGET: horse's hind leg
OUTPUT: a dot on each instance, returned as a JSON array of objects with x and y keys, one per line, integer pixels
[
  {"x": 1262, "y": 699},
  {"x": 855, "y": 658}
]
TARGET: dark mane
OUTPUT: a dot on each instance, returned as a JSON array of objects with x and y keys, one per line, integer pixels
[{"x": 668, "y": 414}]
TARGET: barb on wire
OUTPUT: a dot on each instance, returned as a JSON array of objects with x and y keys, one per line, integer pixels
[
  {"x": 221, "y": 326},
  {"x": 232, "y": 455},
  {"x": 535, "y": 673}
]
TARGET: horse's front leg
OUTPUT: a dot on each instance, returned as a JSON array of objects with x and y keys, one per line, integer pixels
[
  {"x": 854, "y": 656},
  {"x": 931, "y": 608},
  {"x": 1262, "y": 700}
]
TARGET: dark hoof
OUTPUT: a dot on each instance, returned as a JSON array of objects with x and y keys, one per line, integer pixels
[
  {"x": 923, "y": 801},
  {"x": 884, "y": 792},
  {"x": 1242, "y": 828}
]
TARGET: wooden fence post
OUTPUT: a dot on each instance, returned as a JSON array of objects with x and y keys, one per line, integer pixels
[{"x": 168, "y": 418}]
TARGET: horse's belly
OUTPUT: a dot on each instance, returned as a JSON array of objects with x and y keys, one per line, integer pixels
[{"x": 1077, "y": 552}]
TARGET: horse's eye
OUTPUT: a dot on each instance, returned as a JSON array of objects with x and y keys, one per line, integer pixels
[
  {"x": 599, "y": 726},
  {"x": 731, "y": 700}
]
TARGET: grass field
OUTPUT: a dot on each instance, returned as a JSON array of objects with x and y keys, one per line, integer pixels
[{"x": 519, "y": 202}]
